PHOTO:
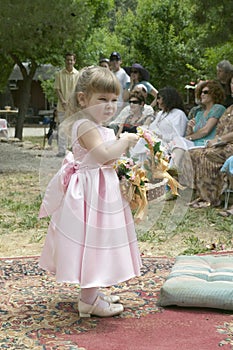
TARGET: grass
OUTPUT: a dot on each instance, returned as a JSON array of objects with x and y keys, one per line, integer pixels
[
  {"x": 35, "y": 140},
  {"x": 198, "y": 231},
  {"x": 19, "y": 201}
]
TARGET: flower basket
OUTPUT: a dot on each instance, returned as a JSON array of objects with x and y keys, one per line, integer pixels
[
  {"x": 132, "y": 184},
  {"x": 156, "y": 190},
  {"x": 140, "y": 185},
  {"x": 156, "y": 166}
]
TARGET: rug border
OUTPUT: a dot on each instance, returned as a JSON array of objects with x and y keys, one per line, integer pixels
[{"x": 142, "y": 256}]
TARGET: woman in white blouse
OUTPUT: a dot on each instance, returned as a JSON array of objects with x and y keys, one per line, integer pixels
[{"x": 170, "y": 121}]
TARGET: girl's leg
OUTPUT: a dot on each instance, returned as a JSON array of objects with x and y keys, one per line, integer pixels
[{"x": 89, "y": 296}]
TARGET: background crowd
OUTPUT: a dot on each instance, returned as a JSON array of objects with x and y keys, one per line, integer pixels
[{"x": 190, "y": 136}]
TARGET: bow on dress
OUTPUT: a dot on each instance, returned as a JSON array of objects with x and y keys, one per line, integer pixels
[{"x": 57, "y": 186}]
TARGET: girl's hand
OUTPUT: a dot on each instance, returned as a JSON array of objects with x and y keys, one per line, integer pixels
[{"x": 131, "y": 138}]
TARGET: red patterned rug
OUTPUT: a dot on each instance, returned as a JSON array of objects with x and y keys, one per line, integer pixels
[{"x": 38, "y": 313}]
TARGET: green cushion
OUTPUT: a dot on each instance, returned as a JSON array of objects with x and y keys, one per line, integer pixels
[{"x": 200, "y": 281}]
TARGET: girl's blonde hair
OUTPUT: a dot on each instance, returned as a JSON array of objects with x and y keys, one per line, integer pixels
[
  {"x": 96, "y": 79},
  {"x": 92, "y": 79}
]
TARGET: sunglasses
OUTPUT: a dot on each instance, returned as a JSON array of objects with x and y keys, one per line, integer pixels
[
  {"x": 134, "y": 102},
  {"x": 134, "y": 71},
  {"x": 158, "y": 97},
  {"x": 205, "y": 92}
]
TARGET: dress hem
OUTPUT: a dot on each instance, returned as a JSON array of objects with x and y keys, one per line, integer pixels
[{"x": 90, "y": 285}]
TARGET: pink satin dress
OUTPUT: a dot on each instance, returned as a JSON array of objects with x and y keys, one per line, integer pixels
[{"x": 91, "y": 238}]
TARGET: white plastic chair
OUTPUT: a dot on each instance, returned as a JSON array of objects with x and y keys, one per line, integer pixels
[
  {"x": 3, "y": 128},
  {"x": 228, "y": 169}
]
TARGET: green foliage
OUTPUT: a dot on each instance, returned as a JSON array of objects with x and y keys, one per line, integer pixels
[
  {"x": 6, "y": 67},
  {"x": 48, "y": 89},
  {"x": 214, "y": 18},
  {"x": 215, "y": 54},
  {"x": 43, "y": 31},
  {"x": 176, "y": 41},
  {"x": 101, "y": 44},
  {"x": 157, "y": 38}
]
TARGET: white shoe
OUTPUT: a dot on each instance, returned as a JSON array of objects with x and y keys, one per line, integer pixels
[
  {"x": 86, "y": 310},
  {"x": 109, "y": 298}
]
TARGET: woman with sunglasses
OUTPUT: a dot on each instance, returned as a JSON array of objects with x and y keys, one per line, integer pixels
[
  {"x": 136, "y": 117},
  {"x": 169, "y": 122},
  {"x": 203, "y": 127},
  {"x": 139, "y": 75},
  {"x": 205, "y": 163}
]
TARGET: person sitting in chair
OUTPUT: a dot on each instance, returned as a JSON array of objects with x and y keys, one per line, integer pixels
[{"x": 136, "y": 117}]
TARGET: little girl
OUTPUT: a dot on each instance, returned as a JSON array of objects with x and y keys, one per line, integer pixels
[{"x": 91, "y": 238}]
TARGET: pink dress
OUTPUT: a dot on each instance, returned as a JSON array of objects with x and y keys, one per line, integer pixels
[{"x": 91, "y": 238}]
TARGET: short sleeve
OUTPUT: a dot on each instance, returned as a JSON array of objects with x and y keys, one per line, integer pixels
[
  {"x": 148, "y": 86},
  {"x": 216, "y": 111}
]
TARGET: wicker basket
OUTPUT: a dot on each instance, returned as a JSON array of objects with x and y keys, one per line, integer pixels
[{"x": 156, "y": 190}]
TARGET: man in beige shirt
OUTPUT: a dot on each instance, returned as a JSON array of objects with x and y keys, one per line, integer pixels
[{"x": 65, "y": 83}]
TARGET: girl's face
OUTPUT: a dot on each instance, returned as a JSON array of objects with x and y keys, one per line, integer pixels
[{"x": 100, "y": 106}]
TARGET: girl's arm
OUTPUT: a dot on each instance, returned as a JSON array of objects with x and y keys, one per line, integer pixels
[
  {"x": 203, "y": 131},
  {"x": 90, "y": 138}
]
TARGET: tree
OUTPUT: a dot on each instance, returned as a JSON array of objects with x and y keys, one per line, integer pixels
[
  {"x": 214, "y": 34},
  {"x": 215, "y": 19},
  {"x": 157, "y": 35},
  {"x": 40, "y": 32}
]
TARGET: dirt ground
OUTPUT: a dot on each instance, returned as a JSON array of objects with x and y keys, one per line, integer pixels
[{"x": 26, "y": 158}]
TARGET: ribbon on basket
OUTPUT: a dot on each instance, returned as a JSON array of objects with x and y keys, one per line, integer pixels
[
  {"x": 159, "y": 170},
  {"x": 132, "y": 183},
  {"x": 139, "y": 202}
]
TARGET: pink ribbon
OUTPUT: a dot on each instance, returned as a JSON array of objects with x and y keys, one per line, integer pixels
[{"x": 68, "y": 171}]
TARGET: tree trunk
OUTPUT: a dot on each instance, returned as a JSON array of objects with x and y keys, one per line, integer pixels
[{"x": 25, "y": 94}]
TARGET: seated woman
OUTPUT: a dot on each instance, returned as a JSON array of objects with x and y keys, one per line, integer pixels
[
  {"x": 147, "y": 110},
  {"x": 135, "y": 117},
  {"x": 139, "y": 75},
  {"x": 202, "y": 172},
  {"x": 203, "y": 127},
  {"x": 169, "y": 122}
]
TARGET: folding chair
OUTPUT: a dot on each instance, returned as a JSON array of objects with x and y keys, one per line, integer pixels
[
  {"x": 228, "y": 169},
  {"x": 3, "y": 128}
]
